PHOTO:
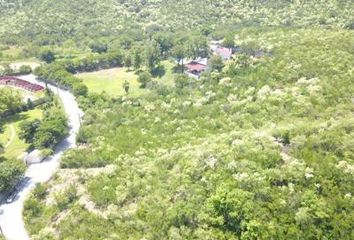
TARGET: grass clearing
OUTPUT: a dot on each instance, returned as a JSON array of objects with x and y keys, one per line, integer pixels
[
  {"x": 16, "y": 147},
  {"x": 111, "y": 80}
]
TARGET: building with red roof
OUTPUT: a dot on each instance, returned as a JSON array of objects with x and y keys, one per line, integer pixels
[
  {"x": 195, "y": 67},
  {"x": 17, "y": 82}
]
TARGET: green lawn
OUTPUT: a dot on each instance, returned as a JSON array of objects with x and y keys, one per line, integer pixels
[
  {"x": 111, "y": 80},
  {"x": 16, "y": 147}
]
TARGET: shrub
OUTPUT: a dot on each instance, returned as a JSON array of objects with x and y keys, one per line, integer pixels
[{"x": 11, "y": 171}]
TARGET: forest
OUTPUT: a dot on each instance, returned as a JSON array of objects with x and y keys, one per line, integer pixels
[{"x": 259, "y": 146}]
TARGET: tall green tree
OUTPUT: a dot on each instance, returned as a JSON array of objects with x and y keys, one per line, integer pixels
[
  {"x": 152, "y": 55},
  {"x": 47, "y": 56},
  {"x": 128, "y": 61},
  {"x": 179, "y": 53},
  {"x": 229, "y": 41},
  {"x": 136, "y": 58}
]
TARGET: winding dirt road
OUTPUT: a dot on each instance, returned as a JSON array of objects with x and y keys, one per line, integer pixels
[{"x": 11, "y": 220}]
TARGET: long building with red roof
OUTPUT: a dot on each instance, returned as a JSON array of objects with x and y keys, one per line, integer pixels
[{"x": 17, "y": 82}]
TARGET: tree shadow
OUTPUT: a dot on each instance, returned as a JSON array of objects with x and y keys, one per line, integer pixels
[
  {"x": 158, "y": 71},
  {"x": 12, "y": 195},
  {"x": 137, "y": 72},
  {"x": 14, "y": 118}
]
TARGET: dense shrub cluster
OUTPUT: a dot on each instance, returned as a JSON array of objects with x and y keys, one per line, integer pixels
[
  {"x": 6, "y": 70},
  {"x": 58, "y": 75},
  {"x": 9, "y": 101},
  {"x": 95, "y": 62},
  {"x": 49, "y": 131},
  {"x": 124, "y": 22},
  {"x": 10, "y": 172},
  {"x": 262, "y": 149}
]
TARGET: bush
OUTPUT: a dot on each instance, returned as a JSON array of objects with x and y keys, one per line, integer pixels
[
  {"x": 144, "y": 78},
  {"x": 47, "y": 56},
  {"x": 25, "y": 69},
  {"x": 11, "y": 171},
  {"x": 182, "y": 81}
]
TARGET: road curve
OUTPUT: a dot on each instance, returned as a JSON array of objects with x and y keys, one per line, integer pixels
[{"x": 11, "y": 220}]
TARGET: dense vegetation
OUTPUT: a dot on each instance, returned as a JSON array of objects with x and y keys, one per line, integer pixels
[
  {"x": 42, "y": 134},
  {"x": 10, "y": 170},
  {"x": 52, "y": 22},
  {"x": 108, "y": 25},
  {"x": 261, "y": 150},
  {"x": 260, "y": 147},
  {"x": 9, "y": 101},
  {"x": 48, "y": 132}
]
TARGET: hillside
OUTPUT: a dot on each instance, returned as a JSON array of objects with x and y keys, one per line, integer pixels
[
  {"x": 179, "y": 141},
  {"x": 47, "y": 21},
  {"x": 262, "y": 150}
]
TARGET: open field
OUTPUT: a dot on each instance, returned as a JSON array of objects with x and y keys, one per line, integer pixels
[
  {"x": 111, "y": 80},
  {"x": 14, "y": 147}
]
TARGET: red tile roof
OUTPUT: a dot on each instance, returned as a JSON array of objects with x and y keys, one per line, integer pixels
[
  {"x": 14, "y": 81},
  {"x": 195, "y": 67}
]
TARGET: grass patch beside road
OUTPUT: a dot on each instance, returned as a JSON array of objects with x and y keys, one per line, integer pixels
[{"x": 17, "y": 147}]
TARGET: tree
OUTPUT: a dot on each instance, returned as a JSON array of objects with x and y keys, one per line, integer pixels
[
  {"x": 126, "y": 86},
  {"x": 229, "y": 41},
  {"x": 197, "y": 46},
  {"x": 47, "y": 56},
  {"x": 216, "y": 63},
  {"x": 52, "y": 129},
  {"x": 79, "y": 89},
  {"x": 229, "y": 208},
  {"x": 144, "y": 78},
  {"x": 136, "y": 58},
  {"x": 9, "y": 100},
  {"x": 28, "y": 130},
  {"x": 25, "y": 69},
  {"x": 164, "y": 40},
  {"x": 128, "y": 61},
  {"x": 179, "y": 52},
  {"x": 10, "y": 172},
  {"x": 7, "y": 70},
  {"x": 152, "y": 56},
  {"x": 98, "y": 47},
  {"x": 182, "y": 81}
]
